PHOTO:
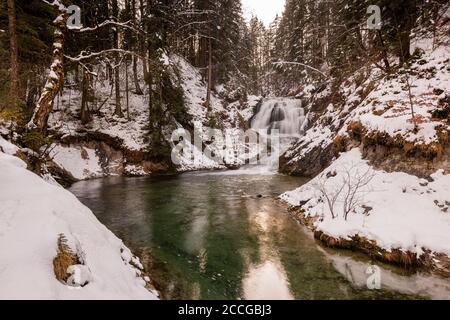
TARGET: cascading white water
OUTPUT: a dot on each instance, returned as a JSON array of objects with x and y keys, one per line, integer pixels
[{"x": 286, "y": 115}]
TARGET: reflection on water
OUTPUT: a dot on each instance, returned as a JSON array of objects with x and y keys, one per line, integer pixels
[
  {"x": 217, "y": 236},
  {"x": 267, "y": 282}
]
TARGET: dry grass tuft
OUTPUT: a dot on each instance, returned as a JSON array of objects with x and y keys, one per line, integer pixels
[
  {"x": 356, "y": 130},
  {"x": 64, "y": 259},
  {"x": 339, "y": 145}
]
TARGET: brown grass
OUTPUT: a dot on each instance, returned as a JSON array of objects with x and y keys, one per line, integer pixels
[
  {"x": 428, "y": 261},
  {"x": 429, "y": 151},
  {"x": 339, "y": 145},
  {"x": 64, "y": 259},
  {"x": 356, "y": 130}
]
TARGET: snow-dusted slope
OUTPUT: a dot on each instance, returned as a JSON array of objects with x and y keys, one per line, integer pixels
[
  {"x": 33, "y": 213},
  {"x": 86, "y": 160},
  {"x": 397, "y": 210},
  {"x": 377, "y": 181},
  {"x": 379, "y": 104},
  {"x": 387, "y": 109}
]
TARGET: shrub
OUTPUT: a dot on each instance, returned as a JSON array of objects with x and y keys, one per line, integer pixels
[
  {"x": 35, "y": 140},
  {"x": 356, "y": 130},
  {"x": 339, "y": 144},
  {"x": 64, "y": 259}
]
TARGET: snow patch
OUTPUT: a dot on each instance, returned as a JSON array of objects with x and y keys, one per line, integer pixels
[
  {"x": 82, "y": 163},
  {"x": 32, "y": 215},
  {"x": 397, "y": 210}
]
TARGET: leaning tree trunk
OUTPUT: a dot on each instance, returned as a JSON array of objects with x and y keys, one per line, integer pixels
[{"x": 55, "y": 78}]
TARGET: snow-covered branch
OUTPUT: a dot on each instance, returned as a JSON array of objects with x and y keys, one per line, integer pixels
[
  {"x": 108, "y": 23},
  {"x": 299, "y": 64},
  {"x": 85, "y": 55},
  {"x": 57, "y": 4}
]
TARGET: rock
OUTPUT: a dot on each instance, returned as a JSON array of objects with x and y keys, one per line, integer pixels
[
  {"x": 310, "y": 164},
  {"x": 438, "y": 91}
]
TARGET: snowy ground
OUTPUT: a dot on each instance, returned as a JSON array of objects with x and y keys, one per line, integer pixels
[
  {"x": 33, "y": 213},
  {"x": 397, "y": 210},
  {"x": 387, "y": 109},
  {"x": 382, "y": 103},
  {"x": 83, "y": 163}
]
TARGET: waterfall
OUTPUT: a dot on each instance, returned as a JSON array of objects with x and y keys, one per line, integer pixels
[{"x": 286, "y": 115}]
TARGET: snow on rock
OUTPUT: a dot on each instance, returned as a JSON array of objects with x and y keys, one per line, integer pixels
[
  {"x": 7, "y": 147},
  {"x": 81, "y": 162},
  {"x": 196, "y": 160},
  {"x": 397, "y": 210},
  {"x": 135, "y": 170},
  {"x": 33, "y": 213}
]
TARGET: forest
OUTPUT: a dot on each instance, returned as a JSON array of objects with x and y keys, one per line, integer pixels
[{"x": 136, "y": 119}]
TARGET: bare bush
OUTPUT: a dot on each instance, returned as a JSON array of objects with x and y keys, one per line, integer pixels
[{"x": 348, "y": 187}]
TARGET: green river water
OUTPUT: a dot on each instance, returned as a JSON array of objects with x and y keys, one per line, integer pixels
[{"x": 225, "y": 236}]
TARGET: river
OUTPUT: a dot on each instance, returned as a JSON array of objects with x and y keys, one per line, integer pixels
[{"x": 225, "y": 236}]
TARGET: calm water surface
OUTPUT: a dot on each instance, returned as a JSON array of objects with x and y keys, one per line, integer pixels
[{"x": 222, "y": 236}]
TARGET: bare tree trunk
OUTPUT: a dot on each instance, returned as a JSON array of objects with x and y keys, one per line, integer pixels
[
  {"x": 55, "y": 79},
  {"x": 115, "y": 31},
  {"x": 118, "y": 108},
  {"x": 142, "y": 43},
  {"x": 384, "y": 51},
  {"x": 208, "y": 93},
  {"x": 13, "y": 92},
  {"x": 85, "y": 114},
  {"x": 405, "y": 44},
  {"x": 137, "y": 87},
  {"x": 126, "y": 90}
]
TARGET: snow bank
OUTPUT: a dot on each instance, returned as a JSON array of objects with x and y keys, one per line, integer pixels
[
  {"x": 32, "y": 215},
  {"x": 82, "y": 163},
  {"x": 397, "y": 210},
  {"x": 196, "y": 161},
  {"x": 7, "y": 147}
]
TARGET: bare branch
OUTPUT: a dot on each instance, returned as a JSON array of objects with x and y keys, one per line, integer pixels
[{"x": 299, "y": 64}]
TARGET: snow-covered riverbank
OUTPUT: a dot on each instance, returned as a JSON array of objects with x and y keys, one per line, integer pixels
[
  {"x": 33, "y": 215},
  {"x": 396, "y": 210}
]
